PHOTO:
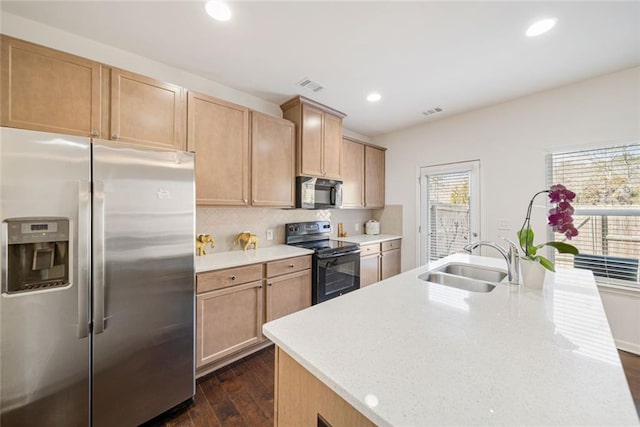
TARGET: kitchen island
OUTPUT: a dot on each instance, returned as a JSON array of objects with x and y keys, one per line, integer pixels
[{"x": 406, "y": 352}]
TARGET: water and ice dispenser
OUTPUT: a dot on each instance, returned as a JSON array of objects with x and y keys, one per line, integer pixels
[{"x": 37, "y": 254}]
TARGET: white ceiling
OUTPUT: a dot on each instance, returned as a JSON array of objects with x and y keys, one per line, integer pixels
[{"x": 418, "y": 55}]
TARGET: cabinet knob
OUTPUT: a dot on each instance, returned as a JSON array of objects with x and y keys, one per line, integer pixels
[
  {"x": 291, "y": 266},
  {"x": 245, "y": 201},
  {"x": 95, "y": 133},
  {"x": 259, "y": 286},
  {"x": 233, "y": 277},
  {"x": 254, "y": 200},
  {"x": 269, "y": 284},
  {"x": 115, "y": 136}
]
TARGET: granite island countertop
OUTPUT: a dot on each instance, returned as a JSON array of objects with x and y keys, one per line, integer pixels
[
  {"x": 413, "y": 353},
  {"x": 220, "y": 260}
]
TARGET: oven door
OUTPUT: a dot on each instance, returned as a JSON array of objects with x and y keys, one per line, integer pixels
[{"x": 335, "y": 275}]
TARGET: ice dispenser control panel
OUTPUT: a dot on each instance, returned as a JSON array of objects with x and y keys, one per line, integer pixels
[{"x": 37, "y": 254}]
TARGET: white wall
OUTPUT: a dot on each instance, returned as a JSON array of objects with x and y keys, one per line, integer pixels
[
  {"x": 45, "y": 35},
  {"x": 511, "y": 140}
]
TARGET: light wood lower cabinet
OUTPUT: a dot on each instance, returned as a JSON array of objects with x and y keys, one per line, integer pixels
[
  {"x": 301, "y": 399},
  {"x": 232, "y": 304},
  {"x": 379, "y": 261},
  {"x": 390, "y": 263},
  {"x": 288, "y": 294},
  {"x": 369, "y": 264},
  {"x": 228, "y": 320}
]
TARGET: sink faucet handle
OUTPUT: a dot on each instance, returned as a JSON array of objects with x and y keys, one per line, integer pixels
[{"x": 512, "y": 245}]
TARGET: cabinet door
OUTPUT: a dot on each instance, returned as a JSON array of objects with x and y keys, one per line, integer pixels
[
  {"x": 352, "y": 174},
  {"x": 288, "y": 294},
  {"x": 272, "y": 161},
  {"x": 147, "y": 112},
  {"x": 374, "y": 177},
  {"x": 390, "y": 263},
  {"x": 369, "y": 270},
  {"x": 218, "y": 132},
  {"x": 311, "y": 142},
  {"x": 332, "y": 146},
  {"x": 227, "y": 321},
  {"x": 47, "y": 90}
]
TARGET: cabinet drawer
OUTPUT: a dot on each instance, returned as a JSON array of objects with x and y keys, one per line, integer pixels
[
  {"x": 289, "y": 265},
  {"x": 232, "y": 276},
  {"x": 391, "y": 244},
  {"x": 373, "y": 248}
]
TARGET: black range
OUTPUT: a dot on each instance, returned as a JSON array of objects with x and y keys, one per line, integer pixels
[{"x": 336, "y": 265}]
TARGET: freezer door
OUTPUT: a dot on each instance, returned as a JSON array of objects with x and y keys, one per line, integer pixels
[
  {"x": 44, "y": 344},
  {"x": 143, "y": 255}
]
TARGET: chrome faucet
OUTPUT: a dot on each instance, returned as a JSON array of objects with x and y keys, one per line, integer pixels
[{"x": 510, "y": 256}]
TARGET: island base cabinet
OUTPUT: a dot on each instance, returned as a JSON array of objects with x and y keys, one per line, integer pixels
[
  {"x": 302, "y": 400},
  {"x": 228, "y": 320}
]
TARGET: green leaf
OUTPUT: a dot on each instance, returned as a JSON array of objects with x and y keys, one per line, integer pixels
[
  {"x": 563, "y": 248},
  {"x": 545, "y": 263},
  {"x": 526, "y": 235}
]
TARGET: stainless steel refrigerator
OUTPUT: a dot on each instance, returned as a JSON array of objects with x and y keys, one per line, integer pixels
[{"x": 97, "y": 278}]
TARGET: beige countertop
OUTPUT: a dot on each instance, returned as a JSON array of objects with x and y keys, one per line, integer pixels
[
  {"x": 217, "y": 261},
  {"x": 365, "y": 239}
]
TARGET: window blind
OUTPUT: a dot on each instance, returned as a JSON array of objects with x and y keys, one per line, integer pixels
[
  {"x": 607, "y": 186},
  {"x": 449, "y": 222}
]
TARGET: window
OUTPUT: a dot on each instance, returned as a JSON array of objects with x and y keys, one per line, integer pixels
[
  {"x": 607, "y": 186},
  {"x": 450, "y": 213}
]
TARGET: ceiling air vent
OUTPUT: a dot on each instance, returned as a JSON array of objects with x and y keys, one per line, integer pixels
[
  {"x": 432, "y": 111},
  {"x": 310, "y": 84}
]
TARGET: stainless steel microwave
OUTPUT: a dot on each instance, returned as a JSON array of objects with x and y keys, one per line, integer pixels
[{"x": 318, "y": 193}]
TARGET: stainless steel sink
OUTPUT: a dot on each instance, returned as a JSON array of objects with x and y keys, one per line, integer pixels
[
  {"x": 474, "y": 272},
  {"x": 467, "y": 277}
]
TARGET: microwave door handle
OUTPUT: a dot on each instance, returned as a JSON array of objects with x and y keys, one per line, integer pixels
[{"x": 332, "y": 196}]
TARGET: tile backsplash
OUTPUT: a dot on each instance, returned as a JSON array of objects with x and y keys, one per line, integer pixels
[{"x": 224, "y": 224}]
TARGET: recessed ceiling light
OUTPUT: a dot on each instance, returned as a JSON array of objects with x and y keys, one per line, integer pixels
[
  {"x": 541, "y": 27},
  {"x": 218, "y": 10},
  {"x": 374, "y": 97}
]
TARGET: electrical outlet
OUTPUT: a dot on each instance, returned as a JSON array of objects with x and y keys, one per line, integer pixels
[
  {"x": 357, "y": 227},
  {"x": 503, "y": 224},
  {"x": 269, "y": 234}
]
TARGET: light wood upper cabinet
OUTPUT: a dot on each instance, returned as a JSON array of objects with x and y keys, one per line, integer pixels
[
  {"x": 272, "y": 161},
  {"x": 146, "y": 112},
  {"x": 218, "y": 132},
  {"x": 318, "y": 137},
  {"x": 332, "y": 146},
  {"x": 352, "y": 174},
  {"x": 47, "y": 90},
  {"x": 311, "y": 151},
  {"x": 374, "y": 177}
]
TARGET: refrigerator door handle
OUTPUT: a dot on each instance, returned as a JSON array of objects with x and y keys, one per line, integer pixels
[
  {"x": 84, "y": 245},
  {"x": 98, "y": 258}
]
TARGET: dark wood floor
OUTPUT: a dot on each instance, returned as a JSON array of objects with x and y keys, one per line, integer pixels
[{"x": 241, "y": 394}]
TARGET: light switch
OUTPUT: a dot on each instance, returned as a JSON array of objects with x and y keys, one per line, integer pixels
[{"x": 269, "y": 234}]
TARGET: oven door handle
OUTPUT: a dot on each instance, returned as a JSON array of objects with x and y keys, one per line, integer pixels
[{"x": 338, "y": 255}]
